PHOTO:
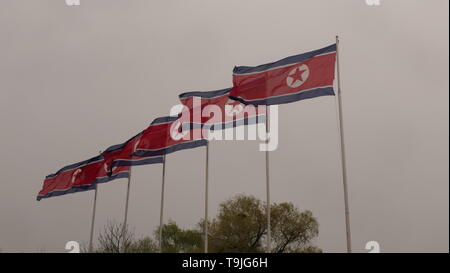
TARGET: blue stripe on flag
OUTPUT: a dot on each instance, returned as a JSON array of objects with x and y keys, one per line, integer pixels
[
  {"x": 171, "y": 149},
  {"x": 312, "y": 93},
  {"x": 138, "y": 161},
  {"x": 166, "y": 119},
  {"x": 283, "y": 62},
  {"x": 203, "y": 94}
]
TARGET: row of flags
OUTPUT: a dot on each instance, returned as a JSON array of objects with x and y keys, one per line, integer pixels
[{"x": 294, "y": 78}]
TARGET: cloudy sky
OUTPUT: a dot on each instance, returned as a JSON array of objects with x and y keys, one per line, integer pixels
[{"x": 74, "y": 80}]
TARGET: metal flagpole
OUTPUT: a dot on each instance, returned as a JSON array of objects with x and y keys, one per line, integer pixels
[
  {"x": 124, "y": 228},
  {"x": 206, "y": 196},
  {"x": 268, "y": 181},
  {"x": 343, "y": 161},
  {"x": 91, "y": 236},
  {"x": 93, "y": 220},
  {"x": 162, "y": 204}
]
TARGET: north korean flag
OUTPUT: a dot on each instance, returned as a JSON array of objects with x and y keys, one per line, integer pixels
[
  {"x": 294, "y": 78},
  {"x": 122, "y": 154},
  {"x": 108, "y": 172},
  {"x": 166, "y": 135},
  {"x": 80, "y": 176},
  {"x": 215, "y": 110}
]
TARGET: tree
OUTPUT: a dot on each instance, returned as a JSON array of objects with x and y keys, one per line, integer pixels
[
  {"x": 115, "y": 238},
  {"x": 143, "y": 245},
  {"x": 177, "y": 240},
  {"x": 292, "y": 230},
  {"x": 240, "y": 226}
]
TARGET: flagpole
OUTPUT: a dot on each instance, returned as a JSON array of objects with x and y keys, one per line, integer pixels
[
  {"x": 93, "y": 220},
  {"x": 343, "y": 160},
  {"x": 94, "y": 208},
  {"x": 162, "y": 204},
  {"x": 206, "y": 196},
  {"x": 268, "y": 181},
  {"x": 124, "y": 228}
]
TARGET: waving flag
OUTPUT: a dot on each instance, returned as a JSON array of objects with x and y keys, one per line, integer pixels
[
  {"x": 107, "y": 173},
  {"x": 294, "y": 78},
  {"x": 80, "y": 176},
  {"x": 166, "y": 135},
  {"x": 230, "y": 113},
  {"x": 121, "y": 154}
]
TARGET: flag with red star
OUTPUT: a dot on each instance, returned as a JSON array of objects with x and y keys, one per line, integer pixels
[
  {"x": 122, "y": 155},
  {"x": 294, "y": 78},
  {"x": 166, "y": 135},
  {"x": 215, "y": 110},
  {"x": 81, "y": 176}
]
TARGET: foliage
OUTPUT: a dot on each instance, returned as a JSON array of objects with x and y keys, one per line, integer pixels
[
  {"x": 177, "y": 240},
  {"x": 240, "y": 226}
]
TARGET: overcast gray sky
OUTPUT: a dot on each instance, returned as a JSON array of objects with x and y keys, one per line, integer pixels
[{"x": 74, "y": 80}]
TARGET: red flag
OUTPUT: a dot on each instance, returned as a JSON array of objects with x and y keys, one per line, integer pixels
[
  {"x": 215, "y": 110},
  {"x": 165, "y": 135},
  {"x": 294, "y": 78},
  {"x": 80, "y": 176},
  {"x": 122, "y": 154}
]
